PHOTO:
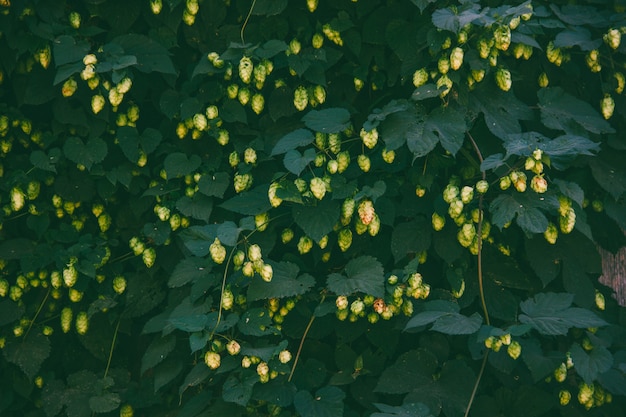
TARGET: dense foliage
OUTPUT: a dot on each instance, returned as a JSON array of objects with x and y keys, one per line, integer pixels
[{"x": 273, "y": 208}]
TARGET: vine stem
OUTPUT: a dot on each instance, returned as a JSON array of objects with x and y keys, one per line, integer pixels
[
  {"x": 32, "y": 322},
  {"x": 245, "y": 22},
  {"x": 306, "y": 332},
  {"x": 480, "y": 275},
  {"x": 117, "y": 328}
]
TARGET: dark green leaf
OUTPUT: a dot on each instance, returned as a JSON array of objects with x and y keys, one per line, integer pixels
[
  {"x": 331, "y": 120},
  {"x": 576, "y": 36},
  {"x": 178, "y": 164},
  {"x": 189, "y": 324},
  {"x": 189, "y": 270},
  {"x": 609, "y": 171},
  {"x": 271, "y": 48},
  {"x": 196, "y": 376},
  {"x": 293, "y": 140},
  {"x": 285, "y": 283},
  {"x": 404, "y": 410},
  {"x": 426, "y": 91},
  {"x": 589, "y": 365},
  {"x": 295, "y": 162},
  {"x": 456, "y": 324},
  {"x": 411, "y": 370},
  {"x": 214, "y": 185},
  {"x": 157, "y": 351},
  {"x": 502, "y": 111},
  {"x": 28, "y": 353},
  {"x": 317, "y": 221},
  {"x": 256, "y": 322},
  {"x": 449, "y": 126},
  {"x": 237, "y": 389},
  {"x": 67, "y": 50},
  {"x": 250, "y": 202},
  {"x": 422, "y": 4},
  {"x": 276, "y": 392},
  {"x": 40, "y": 160},
  {"x": 87, "y": 154},
  {"x": 410, "y": 237},
  {"x": 151, "y": 56},
  {"x": 198, "y": 207},
  {"x": 266, "y": 353},
  {"x": 562, "y": 111},
  {"x": 364, "y": 274},
  {"x": 269, "y": 7},
  {"x": 166, "y": 371},
  {"x": 328, "y": 402},
  {"x": 10, "y": 311},
  {"x": 104, "y": 402}
]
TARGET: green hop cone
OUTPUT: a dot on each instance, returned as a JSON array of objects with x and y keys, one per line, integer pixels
[
  {"x": 369, "y": 138},
  {"x": 317, "y": 41},
  {"x": 242, "y": 182},
  {"x": 217, "y": 251},
  {"x": 228, "y": 299},
  {"x": 343, "y": 161},
  {"x": 334, "y": 143},
  {"x": 502, "y": 37},
  {"x": 600, "y": 301},
  {"x": 287, "y": 235},
  {"x": 450, "y": 193},
  {"x": 266, "y": 272},
  {"x": 503, "y": 79},
  {"x": 245, "y": 69},
  {"x": 305, "y": 244},
  {"x": 212, "y": 359},
  {"x": 149, "y": 257},
  {"x": 119, "y": 284},
  {"x": 613, "y": 38},
  {"x": 420, "y": 77},
  {"x": 254, "y": 253},
  {"x": 443, "y": 65},
  {"x": 257, "y": 103},
  {"x": 438, "y": 221},
  {"x": 456, "y": 58},
  {"x": 514, "y": 349},
  {"x": 607, "y": 105},
  {"x": 467, "y": 194},
  {"x": 244, "y": 96},
  {"x": 551, "y": 234},
  {"x": 374, "y": 227},
  {"x": 18, "y": 199},
  {"x": 567, "y": 222},
  {"x": 364, "y": 162},
  {"x": 319, "y": 93},
  {"x": 300, "y": 98},
  {"x": 482, "y": 186},
  {"x": 564, "y": 397},
  {"x": 344, "y": 239},
  {"x": 70, "y": 276},
  {"x": 388, "y": 155},
  {"x": 275, "y": 201},
  {"x": 318, "y": 187},
  {"x": 66, "y": 319},
  {"x": 560, "y": 373},
  {"x": 82, "y": 323}
]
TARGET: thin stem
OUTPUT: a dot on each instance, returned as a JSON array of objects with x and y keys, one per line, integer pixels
[
  {"x": 306, "y": 332},
  {"x": 117, "y": 328},
  {"x": 480, "y": 375},
  {"x": 221, "y": 309},
  {"x": 245, "y": 22},
  {"x": 43, "y": 302}
]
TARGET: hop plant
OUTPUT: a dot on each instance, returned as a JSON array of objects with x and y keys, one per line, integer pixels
[
  {"x": 217, "y": 251},
  {"x": 369, "y": 138},
  {"x": 318, "y": 187},
  {"x": 212, "y": 360},
  {"x": 456, "y": 58},
  {"x": 503, "y": 79}
]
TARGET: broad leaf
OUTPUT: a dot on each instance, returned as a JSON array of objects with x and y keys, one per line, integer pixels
[
  {"x": 198, "y": 207},
  {"x": 328, "y": 402},
  {"x": 250, "y": 203},
  {"x": 364, "y": 274},
  {"x": 295, "y": 162},
  {"x": 151, "y": 56},
  {"x": 285, "y": 283},
  {"x": 331, "y": 120},
  {"x": 551, "y": 314},
  {"x": 28, "y": 353},
  {"x": 317, "y": 221},
  {"x": 157, "y": 351},
  {"x": 502, "y": 111},
  {"x": 589, "y": 365},
  {"x": 238, "y": 390},
  {"x": 86, "y": 154},
  {"x": 293, "y": 140},
  {"x": 404, "y": 410},
  {"x": 104, "y": 402},
  {"x": 189, "y": 270},
  {"x": 457, "y": 324},
  {"x": 214, "y": 185},
  {"x": 178, "y": 164},
  {"x": 256, "y": 322},
  {"x": 562, "y": 111},
  {"x": 48, "y": 162},
  {"x": 410, "y": 237},
  {"x": 411, "y": 370}
]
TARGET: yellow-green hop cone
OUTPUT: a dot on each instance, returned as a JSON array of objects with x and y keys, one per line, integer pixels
[
  {"x": 364, "y": 162},
  {"x": 613, "y": 38},
  {"x": 503, "y": 79},
  {"x": 502, "y": 37},
  {"x": 585, "y": 393},
  {"x": 217, "y": 251},
  {"x": 300, "y": 98},
  {"x": 456, "y": 58},
  {"x": 305, "y": 244},
  {"x": 245, "y": 69},
  {"x": 600, "y": 301},
  {"x": 369, "y": 138},
  {"x": 318, "y": 187},
  {"x": 607, "y": 105},
  {"x": 560, "y": 373},
  {"x": 82, "y": 323},
  {"x": 344, "y": 239},
  {"x": 287, "y": 235},
  {"x": 257, "y": 103},
  {"x": 551, "y": 234},
  {"x": 18, "y": 199},
  {"x": 149, "y": 257},
  {"x": 119, "y": 284},
  {"x": 420, "y": 77},
  {"x": 212, "y": 359},
  {"x": 564, "y": 397},
  {"x": 514, "y": 349},
  {"x": 568, "y": 221}
]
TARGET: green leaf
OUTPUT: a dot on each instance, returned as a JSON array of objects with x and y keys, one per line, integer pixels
[
  {"x": 214, "y": 185},
  {"x": 256, "y": 322},
  {"x": 609, "y": 171},
  {"x": 276, "y": 391},
  {"x": 443, "y": 124},
  {"x": 66, "y": 50},
  {"x": 551, "y": 314},
  {"x": 157, "y": 351},
  {"x": 331, "y": 120},
  {"x": 364, "y": 274},
  {"x": 178, "y": 164},
  {"x": 562, "y": 111},
  {"x": 422, "y": 4},
  {"x": 104, "y": 402},
  {"x": 269, "y": 7},
  {"x": 10, "y": 311},
  {"x": 317, "y": 221},
  {"x": 285, "y": 283},
  {"x": 48, "y": 162},
  {"x": 426, "y": 91},
  {"x": 571, "y": 190},
  {"x": 87, "y": 154},
  {"x": 166, "y": 371},
  {"x": 410, "y": 237},
  {"x": 456, "y": 324},
  {"x": 502, "y": 111},
  {"x": 404, "y": 410},
  {"x": 190, "y": 270},
  {"x": 191, "y": 323},
  {"x": 293, "y": 140},
  {"x": 28, "y": 353},
  {"x": 131, "y": 142},
  {"x": 328, "y": 402},
  {"x": 151, "y": 56},
  {"x": 266, "y": 353},
  {"x": 195, "y": 377},
  {"x": 590, "y": 365},
  {"x": 411, "y": 370},
  {"x": 198, "y": 207},
  {"x": 525, "y": 206},
  {"x": 237, "y": 389},
  {"x": 250, "y": 202},
  {"x": 296, "y": 162},
  {"x": 454, "y": 19},
  {"x": 576, "y": 36},
  {"x": 271, "y": 48}
]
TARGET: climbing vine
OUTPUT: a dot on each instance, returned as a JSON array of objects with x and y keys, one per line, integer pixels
[{"x": 311, "y": 208}]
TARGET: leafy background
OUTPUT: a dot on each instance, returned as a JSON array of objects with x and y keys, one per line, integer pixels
[{"x": 149, "y": 149}]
